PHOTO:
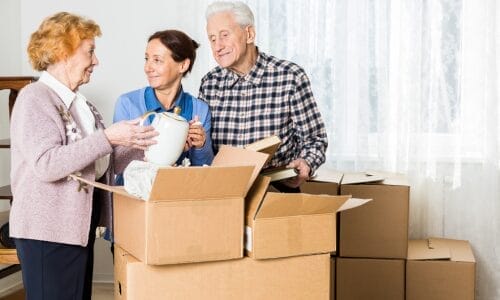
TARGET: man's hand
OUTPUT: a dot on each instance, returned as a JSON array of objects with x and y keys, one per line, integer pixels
[{"x": 303, "y": 169}]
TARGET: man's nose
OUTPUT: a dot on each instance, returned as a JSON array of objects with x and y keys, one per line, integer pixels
[{"x": 218, "y": 46}]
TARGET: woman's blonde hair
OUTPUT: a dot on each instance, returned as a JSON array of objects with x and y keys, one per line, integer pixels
[{"x": 58, "y": 37}]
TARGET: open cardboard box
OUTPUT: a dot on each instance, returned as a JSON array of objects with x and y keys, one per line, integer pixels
[
  {"x": 379, "y": 229},
  {"x": 282, "y": 225},
  {"x": 439, "y": 269},
  {"x": 193, "y": 214}
]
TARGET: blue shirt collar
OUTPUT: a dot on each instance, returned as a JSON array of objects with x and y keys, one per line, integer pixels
[{"x": 153, "y": 104}]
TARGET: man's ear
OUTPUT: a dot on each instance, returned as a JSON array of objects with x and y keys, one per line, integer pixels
[{"x": 250, "y": 31}]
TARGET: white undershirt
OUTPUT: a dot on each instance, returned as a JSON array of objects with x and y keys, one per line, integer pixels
[{"x": 82, "y": 109}]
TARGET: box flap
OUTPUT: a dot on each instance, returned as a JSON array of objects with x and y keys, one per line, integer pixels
[
  {"x": 277, "y": 205},
  {"x": 358, "y": 178},
  {"x": 267, "y": 145},
  {"x": 279, "y": 173},
  {"x": 352, "y": 203},
  {"x": 172, "y": 184},
  {"x": 390, "y": 178},
  {"x": 102, "y": 186},
  {"x": 327, "y": 175},
  {"x": 232, "y": 156},
  {"x": 255, "y": 196},
  {"x": 460, "y": 250},
  {"x": 427, "y": 250}
]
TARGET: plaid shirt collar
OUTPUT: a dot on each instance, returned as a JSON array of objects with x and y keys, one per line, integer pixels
[{"x": 254, "y": 76}]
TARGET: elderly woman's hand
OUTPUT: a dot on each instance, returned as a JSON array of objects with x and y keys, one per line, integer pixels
[{"x": 131, "y": 134}]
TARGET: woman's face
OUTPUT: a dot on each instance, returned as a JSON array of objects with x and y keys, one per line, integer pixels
[
  {"x": 162, "y": 71},
  {"x": 80, "y": 65}
]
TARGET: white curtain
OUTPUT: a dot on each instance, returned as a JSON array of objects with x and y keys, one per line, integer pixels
[{"x": 413, "y": 87}]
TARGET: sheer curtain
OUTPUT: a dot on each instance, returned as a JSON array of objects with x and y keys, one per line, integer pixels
[{"x": 408, "y": 86}]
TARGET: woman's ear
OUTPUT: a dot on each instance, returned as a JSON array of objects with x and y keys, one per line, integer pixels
[{"x": 185, "y": 65}]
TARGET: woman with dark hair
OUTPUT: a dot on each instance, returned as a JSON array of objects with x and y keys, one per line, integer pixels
[{"x": 170, "y": 55}]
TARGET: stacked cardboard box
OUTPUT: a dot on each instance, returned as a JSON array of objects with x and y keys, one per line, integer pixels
[
  {"x": 186, "y": 241},
  {"x": 373, "y": 239},
  {"x": 374, "y": 258},
  {"x": 440, "y": 269},
  {"x": 302, "y": 277}
]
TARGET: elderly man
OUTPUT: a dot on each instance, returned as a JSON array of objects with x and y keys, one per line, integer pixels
[{"x": 253, "y": 95}]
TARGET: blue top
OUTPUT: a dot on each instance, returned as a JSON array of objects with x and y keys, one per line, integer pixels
[{"x": 135, "y": 103}]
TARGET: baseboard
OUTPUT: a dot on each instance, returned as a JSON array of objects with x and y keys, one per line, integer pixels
[
  {"x": 10, "y": 284},
  {"x": 103, "y": 278}
]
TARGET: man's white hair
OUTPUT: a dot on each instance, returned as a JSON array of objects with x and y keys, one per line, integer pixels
[{"x": 241, "y": 12}]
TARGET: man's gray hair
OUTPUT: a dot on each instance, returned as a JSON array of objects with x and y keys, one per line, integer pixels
[{"x": 241, "y": 12}]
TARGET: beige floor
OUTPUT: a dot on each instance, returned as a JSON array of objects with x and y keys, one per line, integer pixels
[{"x": 100, "y": 291}]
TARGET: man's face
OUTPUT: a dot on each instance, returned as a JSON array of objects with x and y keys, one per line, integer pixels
[{"x": 229, "y": 41}]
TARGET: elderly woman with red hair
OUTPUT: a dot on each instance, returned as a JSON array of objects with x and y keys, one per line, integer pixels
[{"x": 55, "y": 133}]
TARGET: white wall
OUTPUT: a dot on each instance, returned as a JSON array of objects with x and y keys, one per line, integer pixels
[{"x": 126, "y": 27}]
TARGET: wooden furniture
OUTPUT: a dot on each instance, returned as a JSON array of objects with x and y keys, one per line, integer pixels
[{"x": 14, "y": 85}]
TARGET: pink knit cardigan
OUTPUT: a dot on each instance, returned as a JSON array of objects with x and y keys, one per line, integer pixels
[{"x": 47, "y": 205}]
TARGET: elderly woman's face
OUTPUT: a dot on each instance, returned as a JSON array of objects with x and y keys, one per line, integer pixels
[{"x": 80, "y": 65}]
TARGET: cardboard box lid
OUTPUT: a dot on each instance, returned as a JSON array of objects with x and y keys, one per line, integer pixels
[
  {"x": 327, "y": 175},
  {"x": 232, "y": 156},
  {"x": 102, "y": 186},
  {"x": 440, "y": 249},
  {"x": 267, "y": 145},
  {"x": 194, "y": 183},
  {"x": 262, "y": 204},
  {"x": 232, "y": 173},
  {"x": 375, "y": 177}
]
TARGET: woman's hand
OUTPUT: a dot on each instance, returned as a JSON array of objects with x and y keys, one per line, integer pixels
[
  {"x": 131, "y": 134},
  {"x": 196, "y": 134}
]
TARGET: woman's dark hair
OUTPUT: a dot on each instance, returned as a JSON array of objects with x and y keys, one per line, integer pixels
[{"x": 180, "y": 44}]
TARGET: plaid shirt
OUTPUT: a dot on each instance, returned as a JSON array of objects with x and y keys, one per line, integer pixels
[{"x": 274, "y": 98}]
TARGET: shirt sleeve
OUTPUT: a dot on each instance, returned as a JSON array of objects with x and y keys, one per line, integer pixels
[
  {"x": 121, "y": 111},
  {"x": 310, "y": 128}
]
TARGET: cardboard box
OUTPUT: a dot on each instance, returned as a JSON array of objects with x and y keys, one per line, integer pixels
[
  {"x": 379, "y": 229},
  {"x": 325, "y": 181},
  {"x": 303, "y": 277},
  {"x": 332, "y": 278},
  {"x": 439, "y": 269},
  {"x": 282, "y": 225},
  {"x": 193, "y": 214},
  {"x": 374, "y": 279}
]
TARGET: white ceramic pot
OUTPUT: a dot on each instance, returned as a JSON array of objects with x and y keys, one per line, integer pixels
[{"x": 173, "y": 131}]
